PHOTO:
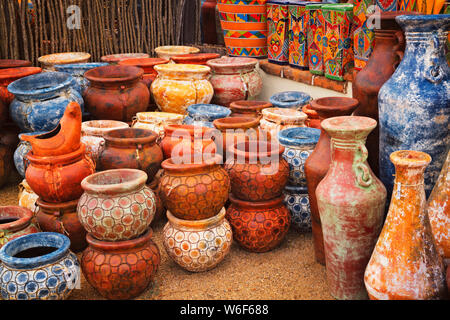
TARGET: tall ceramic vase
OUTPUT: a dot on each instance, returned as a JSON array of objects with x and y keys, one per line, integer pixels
[
  {"x": 405, "y": 264},
  {"x": 414, "y": 104},
  {"x": 351, "y": 203},
  {"x": 277, "y": 31}
]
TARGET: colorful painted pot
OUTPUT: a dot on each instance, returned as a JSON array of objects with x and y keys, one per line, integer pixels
[
  {"x": 41, "y": 99},
  {"x": 116, "y": 58},
  {"x": 20, "y": 153},
  {"x": 167, "y": 52},
  {"x": 121, "y": 269},
  {"x": 77, "y": 70},
  {"x": 181, "y": 85},
  {"x": 276, "y": 119},
  {"x": 38, "y": 266},
  {"x": 8, "y": 76},
  {"x": 197, "y": 245},
  {"x": 363, "y": 35},
  {"x": 116, "y": 204},
  {"x": 387, "y": 5},
  {"x": 278, "y": 31},
  {"x": 298, "y": 22},
  {"x": 297, "y": 201},
  {"x": 258, "y": 226},
  {"x": 244, "y": 23},
  {"x": 12, "y": 63},
  {"x": 195, "y": 58},
  {"x": 27, "y": 197},
  {"x": 247, "y": 108},
  {"x": 290, "y": 99},
  {"x": 49, "y": 61},
  {"x": 313, "y": 120},
  {"x": 116, "y": 93},
  {"x": 314, "y": 39},
  {"x": 147, "y": 64},
  {"x": 203, "y": 115},
  {"x": 234, "y": 79},
  {"x": 155, "y": 121},
  {"x": 15, "y": 222},
  {"x": 194, "y": 191}
]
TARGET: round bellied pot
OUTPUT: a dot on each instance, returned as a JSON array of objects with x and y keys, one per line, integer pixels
[
  {"x": 58, "y": 178},
  {"x": 49, "y": 61},
  {"x": 7, "y": 76},
  {"x": 257, "y": 170},
  {"x": 131, "y": 148},
  {"x": 276, "y": 119},
  {"x": 15, "y": 222},
  {"x": 290, "y": 99},
  {"x": 155, "y": 121},
  {"x": 180, "y": 85},
  {"x": 20, "y": 153},
  {"x": 318, "y": 163},
  {"x": 62, "y": 218},
  {"x": 38, "y": 266},
  {"x": 313, "y": 120},
  {"x": 195, "y": 58},
  {"x": 405, "y": 264},
  {"x": 197, "y": 245},
  {"x": 351, "y": 201},
  {"x": 116, "y": 58},
  {"x": 203, "y": 115},
  {"x": 194, "y": 191},
  {"x": 12, "y": 63},
  {"x": 167, "y": 52},
  {"x": 41, "y": 99},
  {"x": 245, "y": 108},
  {"x": 92, "y": 133},
  {"x": 258, "y": 226},
  {"x": 147, "y": 64},
  {"x": 116, "y": 93},
  {"x": 116, "y": 204},
  {"x": 234, "y": 79},
  {"x": 27, "y": 197},
  {"x": 297, "y": 201},
  {"x": 121, "y": 269}
]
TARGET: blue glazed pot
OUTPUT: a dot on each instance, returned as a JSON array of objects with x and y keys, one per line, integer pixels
[
  {"x": 77, "y": 70},
  {"x": 50, "y": 276},
  {"x": 204, "y": 114},
  {"x": 299, "y": 143},
  {"x": 41, "y": 99},
  {"x": 297, "y": 201},
  {"x": 21, "y": 151},
  {"x": 290, "y": 99},
  {"x": 414, "y": 104}
]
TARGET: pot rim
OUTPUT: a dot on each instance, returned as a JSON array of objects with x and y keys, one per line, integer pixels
[
  {"x": 150, "y": 137},
  {"x": 210, "y": 111},
  {"x": 182, "y": 68},
  {"x": 69, "y": 206},
  {"x": 349, "y": 127},
  {"x": 172, "y": 50},
  {"x": 251, "y": 106},
  {"x": 284, "y": 115},
  {"x": 196, "y": 224},
  {"x": 236, "y": 123},
  {"x": 24, "y": 216},
  {"x": 206, "y": 164},
  {"x": 334, "y": 104},
  {"x": 180, "y": 58},
  {"x": 120, "y": 245},
  {"x": 300, "y": 99},
  {"x": 267, "y": 204},
  {"x": 312, "y": 114},
  {"x": 61, "y": 159},
  {"x": 70, "y": 67},
  {"x": 64, "y": 57},
  {"x": 187, "y": 129},
  {"x": 11, "y": 74},
  {"x": 410, "y": 158},
  {"x": 121, "y": 74},
  {"x": 28, "y": 90},
  {"x": 237, "y": 151},
  {"x": 299, "y": 136},
  {"x": 123, "y": 56},
  {"x": 134, "y": 182},
  {"x": 157, "y": 117},
  {"x": 14, "y": 63},
  {"x": 143, "y": 62},
  {"x": 225, "y": 62},
  {"x": 88, "y": 128}
]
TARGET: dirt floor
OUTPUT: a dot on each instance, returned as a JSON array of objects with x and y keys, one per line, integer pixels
[{"x": 289, "y": 272}]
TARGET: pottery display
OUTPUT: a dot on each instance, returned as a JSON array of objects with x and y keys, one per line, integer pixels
[
  {"x": 195, "y": 58},
  {"x": 147, "y": 64},
  {"x": 77, "y": 70},
  {"x": 276, "y": 119},
  {"x": 203, "y": 115},
  {"x": 234, "y": 79},
  {"x": 414, "y": 103},
  {"x": 27, "y": 197},
  {"x": 38, "y": 266},
  {"x": 167, "y": 52},
  {"x": 155, "y": 121},
  {"x": 194, "y": 191},
  {"x": 116, "y": 58},
  {"x": 12, "y": 63},
  {"x": 246, "y": 108},
  {"x": 15, "y": 222},
  {"x": 314, "y": 38},
  {"x": 49, "y": 61},
  {"x": 116, "y": 93},
  {"x": 197, "y": 245},
  {"x": 20, "y": 160},
  {"x": 180, "y": 85},
  {"x": 313, "y": 120},
  {"x": 278, "y": 31},
  {"x": 8, "y": 76},
  {"x": 297, "y": 201},
  {"x": 258, "y": 226},
  {"x": 116, "y": 204},
  {"x": 405, "y": 263},
  {"x": 290, "y": 99},
  {"x": 317, "y": 164},
  {"x": 298, "y": 28},
  {"x": 121, "y": 269}
]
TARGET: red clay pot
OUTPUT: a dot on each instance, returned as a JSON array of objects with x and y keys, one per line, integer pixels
[
  {"x": 62, "y": 218},
  {"x": 11, "y": 63},
  {"x": 195, "y": 58},
  {"x": 318, "y": 163},
  {"x": 15, "y": 222},
  {"x": 313, "y": 120},
  {"x": 258, "y": 226},
  {"x": 247, "y": 108},
  {"x": 121, "y": 269},
  {"x": 147, "y": 64},
  {"x": 116, "y": 93},
  {"x": 116, "y": 58},
  {"x": 8, "y": 76}
]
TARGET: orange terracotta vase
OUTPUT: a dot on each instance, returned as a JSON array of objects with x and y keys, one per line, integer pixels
[{"x": 405, "y": 264}]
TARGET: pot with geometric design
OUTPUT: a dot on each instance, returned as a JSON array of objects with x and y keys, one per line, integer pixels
[{"x": 297, "y": 201}]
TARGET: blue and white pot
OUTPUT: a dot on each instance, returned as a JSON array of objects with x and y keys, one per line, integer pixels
[
  {"x": 21, "y": 151},
  {"x": 77, "y": 70},
  {"x": 41, "y": 99},
  {"x": 290, "y": 99},
  {"x": 297, "y": 201},
  {"x": 414, "y": 104},
  {"x": 203, "y": 115},
  {"x": 51, "y": 276}
]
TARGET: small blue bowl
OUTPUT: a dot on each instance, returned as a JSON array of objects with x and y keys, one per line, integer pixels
[
  {"x": 204, "y": 114},
  {"x": 290, "y": 99}
]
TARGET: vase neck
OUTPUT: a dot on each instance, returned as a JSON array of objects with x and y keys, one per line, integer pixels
[{"x": 345, "y": 150}]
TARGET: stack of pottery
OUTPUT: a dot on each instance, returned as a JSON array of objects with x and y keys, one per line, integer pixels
[
  {"x": 155, "y": 121},
  {"x": 49, "y": 61},
  {"x": 290, "y": 99},
  {"x": 276, "y": 119},
  {"x": 203, "y": 115},
  {"x": 116, "y": 210}
]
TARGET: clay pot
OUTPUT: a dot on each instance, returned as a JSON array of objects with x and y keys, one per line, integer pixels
[
  {"x": 351, "y": 202},
  {"x": 147, "y": 64},
  {"x": 234, "y": 79},
  {"x": 257, "y": 171},
  {"x": 15, "y": 222},
  {"x": 180, "y": 85},
  {"x": 62, "y": 218},
  {"x": 195, "y": 58},
  {"x": 290, "y": 99},
  {"x": 8, "y": 76},
  {"x": 317, "y": 164},
  {"x": 276, "y": 119},
  {"x": 198, "y": 245},
  {"x": 58, "y": 179},
  {"x": 167, "y": 52},
  {"x": 278, "y": 31},
  {"x": 116, "y": 58},
  {"x": 49, "y": 61},
  {"x": 27, "y": 197},
  {"x": 203, "y": 115},
  {"x": 131, "y": 148},
  {"x": 405, "y": 264},
  {"x": 313, "y": 120},
  {"x": 248, "y": 108},
  {"x": 121, "y": 269},
  {"x": 20, "y": 160},
  {"x": 116, "y": 93},
  {"x": 12, "y": 63},
  {"x": 297, "y": 201},
  {"x": 155, "y": 121},
  {"x": 258, "y": 226},
  {"x": 194, "y": 191}
]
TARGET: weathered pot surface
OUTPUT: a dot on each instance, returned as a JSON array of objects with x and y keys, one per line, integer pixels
[
  {"x": 167, "y": 52},
  {"x": 48, "y": 61},
  {"x": 15, "y": 222}
]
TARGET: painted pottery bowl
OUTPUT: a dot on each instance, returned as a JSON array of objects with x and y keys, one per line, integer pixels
[
  {"x": 155, "y": 121},
  {"x": 276, "y": 119},
  {"x": 8, "y": 76},
  {"x": 15, "y": 222},
  {"x": 77, "y": 70},
  {"x": 116, "y": 204},
  {"x": 195, "y": 58},
  {"x": 27, "y": 197},
  {"x": 167, "y": 52},
  {"x": 197, "y": 245},
  {"x": 20, "y": 153},
  {"x": 49, "y": 61},
  {"x": 248, "y": 108},
  {"x": 296, "y": 200},
  {"x": 313, "y": 120},
  {"x": 203, "y": 115},
  {"x": 147, "y": 64},
  {"x": 38, "y": 266},
  {"x": 12, "y": 63},
  {"x": 116, "y": 58},
  {"x": 290, "y": 99}
]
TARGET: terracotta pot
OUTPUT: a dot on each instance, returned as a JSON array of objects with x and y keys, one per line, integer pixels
[
  {"x": 58, "y": 179},
  {"x": 62, "y": 218},
  {"x": 199, "y": 245},
  {"x": 116, "y": 93},
  {"x": 290, "y": 99},
  {"x": 48, "y": 61},
  {"x": 160, "y": 211},
  {"x": 131, "y": 148},
  {"x": 121, "y": 269},
  {"x": 258, "y": 226},
  {"x": 116, "y": 204},
  {"x": 257, "y": 171},
  {"x": 248, "y": 108},
  {"x": 194, "y": 191},
  {"x": 317, "y": 164},
  {"x": 313, "y": 120},
  {"x": 15, "y": 222},
  {"x": 116, "y": 58},
  {"x": 27, "y": 197},
  {"x": 8, "y": 76},
  {"x": 11, "y": 63},
  {"x": 180, "y": 85},
  {"x": 167, "y": 52},
  {"x": 147, "y": 64},
  {"x": 351, "y": 202},
  {"x": 405, "y": 264},
  {"x": 155, "y": 121},
  {"x": 276, "y": 119},
  {"x": 195, "y": 58},
  {"x": 234, "y": 79},
  {"x": 203, "y": 115}
]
